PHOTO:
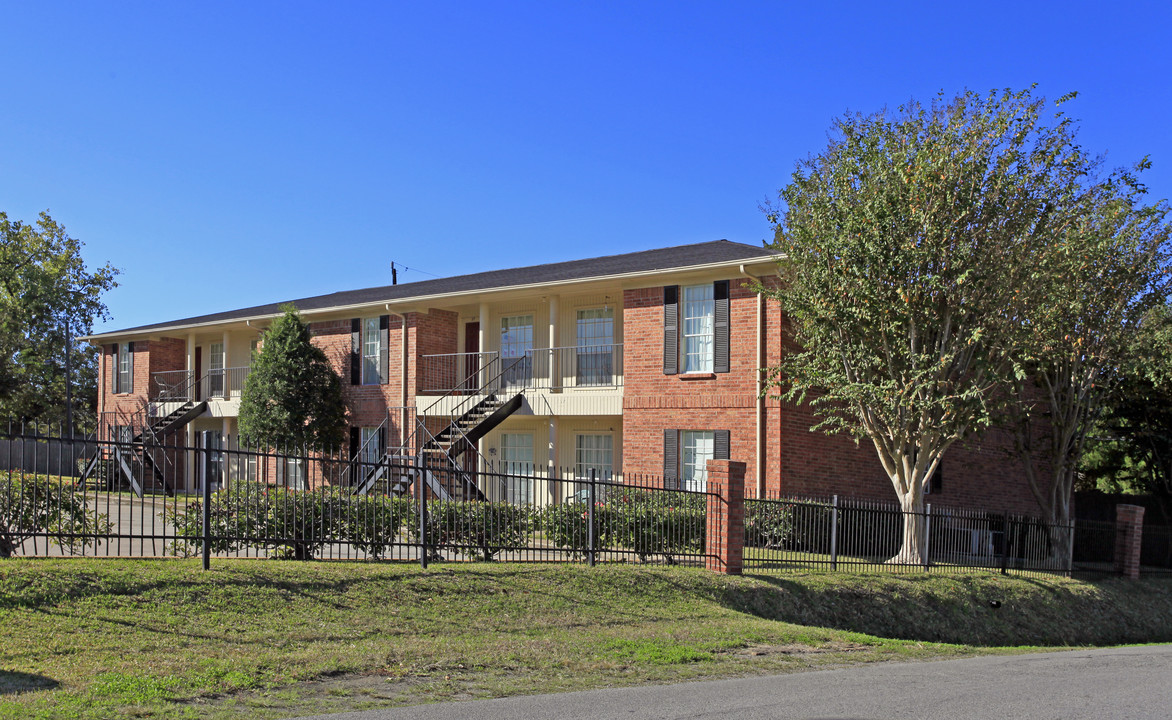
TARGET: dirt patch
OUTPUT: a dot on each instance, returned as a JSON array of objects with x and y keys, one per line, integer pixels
[{"x": 799, "y": 650}]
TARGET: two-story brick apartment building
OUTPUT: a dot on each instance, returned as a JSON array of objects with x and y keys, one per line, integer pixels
[{"x": 645, "y": 362}]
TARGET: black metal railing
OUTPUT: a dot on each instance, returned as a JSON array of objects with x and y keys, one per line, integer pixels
[
  {"x": 848, "y": 534},
  {"x": 560, "y": 368},
  {"x": 184, "y": 385},
  {"x": 91, "y": 496}
]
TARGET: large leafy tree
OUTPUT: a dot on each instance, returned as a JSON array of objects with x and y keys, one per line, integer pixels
[
  {"x": 910, "y": 250},
  {"x": 293, "y": 397},
  {"x": 1131, "y": 447},
  {"x": 48, "y": 299},
  {"x": 1105, "y": 268}
]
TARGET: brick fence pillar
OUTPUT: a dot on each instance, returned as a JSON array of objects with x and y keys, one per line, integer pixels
[
  {"x": 1129, "y": 533},
  {"x": 725, "y": 536}
]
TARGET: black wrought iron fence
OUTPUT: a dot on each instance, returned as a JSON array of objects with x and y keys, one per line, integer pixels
[
  {"x": 129, "y": 493},
  {"x": 131, "y": 497},
  {"x": 1156, "y": 551},
  {"x": 843, "y": 534}
]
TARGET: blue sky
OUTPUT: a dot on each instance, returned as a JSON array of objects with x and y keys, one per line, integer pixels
[{"x": 231, "y": 154}]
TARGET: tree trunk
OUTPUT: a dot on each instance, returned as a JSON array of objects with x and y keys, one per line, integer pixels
[
  {"x": 914, "y": 550},
  {"x": 1060, "y": 537}
]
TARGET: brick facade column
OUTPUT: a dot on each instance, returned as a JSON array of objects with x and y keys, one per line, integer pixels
[
  {"x": 1129, "y": 533},
  {"x": 725, "y": 536}
]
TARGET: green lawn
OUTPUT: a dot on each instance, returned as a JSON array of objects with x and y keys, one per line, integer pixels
[{"x": 160, "y": 638}]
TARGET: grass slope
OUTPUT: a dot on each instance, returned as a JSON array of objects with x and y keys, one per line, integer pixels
[{"x": 98, "y": 638}]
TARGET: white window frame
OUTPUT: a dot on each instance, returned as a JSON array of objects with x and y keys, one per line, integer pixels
[
  {"x": 372, "y": 352},
  {"x": 697, "y": 447},
  {"x": 594, "y": 329},
  {"x": 518, "y": 472},
  {"x": 512, "y": 345},
  {"x": 698, "y": 328},
  {"x": 368, "y": 445},
  {"x": 217, "y": 360},
  {"x": 599, "y": 458},
  {"x": 125, "y": 381},
  {"x": 294, "y": 468}
]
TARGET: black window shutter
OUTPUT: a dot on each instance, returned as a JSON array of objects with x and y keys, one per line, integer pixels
[
  {"x": 938, "y": 478},
  {"x": 355, "y": 439},
  {"x": 720, "y": 443},
  {"x": 382, "y": 440},
  {"x": 129, "y": 368},
  {"x": 671, "y": 329},
  {"x": 720, "y": 327},
  {"x": 384, "y": 336},
  {"x": 356, "y": 351},
  {"x": 671, "y": 457}
]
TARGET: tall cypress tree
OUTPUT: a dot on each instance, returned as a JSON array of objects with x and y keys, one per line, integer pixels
[{"x": 293, "y": 396}]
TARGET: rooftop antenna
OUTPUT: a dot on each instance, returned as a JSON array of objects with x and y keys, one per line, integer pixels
[{"x": 394, "y": 274}]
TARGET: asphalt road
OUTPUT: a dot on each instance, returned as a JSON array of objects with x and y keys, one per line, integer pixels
[{"x": 1129, "y": 683}]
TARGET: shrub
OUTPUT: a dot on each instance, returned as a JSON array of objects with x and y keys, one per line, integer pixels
[
  {"x": 476, "y": 529},
  {"x": 33, "y": 505},
  {"x": 372, "y": 523},
  {"x": 567, "y": 526},
  {"x": 768, "y": 524},
  {"x": 294, "y": 523},
  {"x": 656, "y": 522}
]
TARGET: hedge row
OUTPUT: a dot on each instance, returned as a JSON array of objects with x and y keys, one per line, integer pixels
[
  {"x": 299, "y": 523},
  {"x": 39, "y": 505}
]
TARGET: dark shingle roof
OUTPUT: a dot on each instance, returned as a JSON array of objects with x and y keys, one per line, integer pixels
[{"x": 681, "y": 256}]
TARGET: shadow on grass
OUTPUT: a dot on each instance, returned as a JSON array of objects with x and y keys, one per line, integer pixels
[
  {"x": 979, "y": 610},
  {"x": 14, "y": 683}
]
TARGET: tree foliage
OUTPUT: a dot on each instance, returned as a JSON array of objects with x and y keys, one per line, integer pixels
[
  {"x": 1131, "y": 448},
  {"x": 45, "y": 287},
  {"x": 293, "y": 397},
  {"x": 1104, "y": 268},
  {"x": 910, "y": 263}
]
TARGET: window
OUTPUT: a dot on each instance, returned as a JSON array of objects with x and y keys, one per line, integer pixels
[
  {"x": 517, "y": 461},
  {"x": 696, "y": 335},
  {"x": 124, "y": 368},
  {"x": 594, "y": 454},
  {"x": 516, "y": 347},
  {"x": 249, "y": 469},
  {"x": 123, "y": 433},
  {"x": 699, "y": 311},
  {"x": 371, "y": 447},
  {"x": 698, "y": 449},
  {"x": 372, "y": 352},
  {"x": 295, "y": 473},
  {"x": 686, "y": 454},
  {"x": 369, "y": 356},
  {"x": 216, "y": 370},
  {"x": 595, "y": 347}
]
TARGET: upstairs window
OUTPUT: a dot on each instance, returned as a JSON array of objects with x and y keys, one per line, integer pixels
[
  {"x": 369, "y": 358},
  {"x": 372, "y": 352},
  {"x": 699, "y": 323},
  {"x": 696, "y": 328},
  {"x": 123, "y": 374}
]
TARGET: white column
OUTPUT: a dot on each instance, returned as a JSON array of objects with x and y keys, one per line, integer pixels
[
  {"x": 227, "y": 375},
  {"x": 554, "y": 370},
  {"x": 482, "y": 340}
]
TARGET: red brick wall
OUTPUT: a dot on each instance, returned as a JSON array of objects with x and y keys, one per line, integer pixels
[
  {"x": 367, "y": 403},
  {"x": 150, "y": 356},
  {"x": 428, "y": 333},
  {"x": 653, "y": 402},
  {"x": 798, "y": 461}
]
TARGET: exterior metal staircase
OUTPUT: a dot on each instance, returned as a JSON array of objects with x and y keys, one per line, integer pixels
[
  {"x": 142, "y": 459},
  {"x": 440, "y": 458}
]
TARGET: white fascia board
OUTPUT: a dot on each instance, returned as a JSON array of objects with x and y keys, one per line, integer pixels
[{"x": 404, "y": 304}]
